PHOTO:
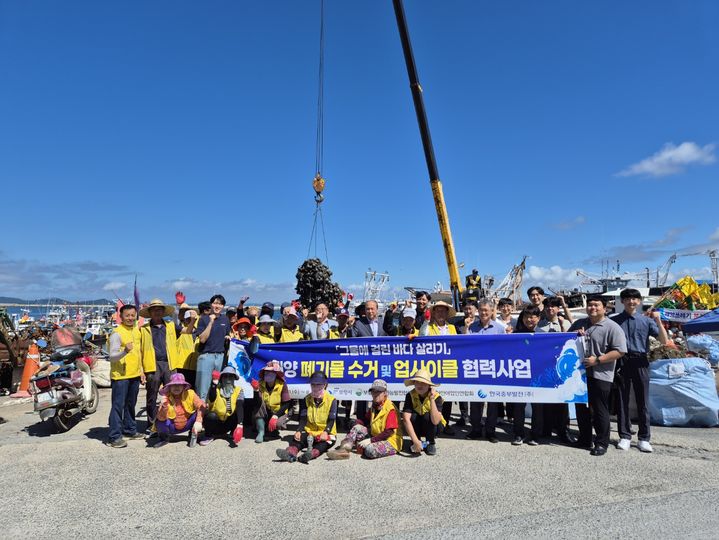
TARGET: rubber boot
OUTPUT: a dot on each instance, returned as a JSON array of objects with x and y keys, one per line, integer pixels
[
  {"x": 260, "y": 425},
  {"x": 343, "y": 451}
]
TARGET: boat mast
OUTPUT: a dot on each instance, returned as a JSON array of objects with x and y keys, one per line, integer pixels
[{"x": 434, "y": 180}]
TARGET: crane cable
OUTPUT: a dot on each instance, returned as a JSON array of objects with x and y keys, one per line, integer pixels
[{"x": 319, "y": 144}]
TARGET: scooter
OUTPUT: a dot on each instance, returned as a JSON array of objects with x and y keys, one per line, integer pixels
[{"x": 63, "y": 388}]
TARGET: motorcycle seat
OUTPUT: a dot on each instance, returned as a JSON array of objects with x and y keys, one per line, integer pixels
[{"x": 66, "y": 355}]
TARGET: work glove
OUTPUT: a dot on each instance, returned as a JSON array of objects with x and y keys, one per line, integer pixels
[
  {"x": 215, "y": 376},
  {"x": 180, "y": 297},
  {"x": 272, "y": 424},
  {"x": 237, "y": 434},
  {"x": 197, "y": 428},
  {"x": 282, "y": 421},
  {"x": 324, "y": 436},
  {"x": 255, "y": 384}
]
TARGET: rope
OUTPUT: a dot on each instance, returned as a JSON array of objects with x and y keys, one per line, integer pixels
[{"x": 319, "y": 150}]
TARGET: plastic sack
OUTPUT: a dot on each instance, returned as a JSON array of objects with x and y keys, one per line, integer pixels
[
  {"x": 704, "y": 344},
  {"x": 101, "y": 373},
  {"x": 682, "y": 392}
]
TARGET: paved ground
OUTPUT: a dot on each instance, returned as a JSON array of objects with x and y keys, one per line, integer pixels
[{"x": 71, "y": 485}]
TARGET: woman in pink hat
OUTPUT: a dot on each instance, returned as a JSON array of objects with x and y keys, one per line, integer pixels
[
  {"x": 272, "y": 400},
  {"x": 180, "y": 410}
]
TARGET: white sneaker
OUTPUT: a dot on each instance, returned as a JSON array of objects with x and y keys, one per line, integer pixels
[
  {"x": 624, "y": 444},
  {"x": 644, "y": 446}
]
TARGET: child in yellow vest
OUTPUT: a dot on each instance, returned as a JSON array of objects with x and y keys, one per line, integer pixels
[
  {"x": 225, "y": 408},
  {"x": 317, "y": 430},
  {"x": 272, "y": 400},
  {"x": 379, "y": 435},
  {"x": 180, "y": 410},
  {"x": 422, "y": 413}
]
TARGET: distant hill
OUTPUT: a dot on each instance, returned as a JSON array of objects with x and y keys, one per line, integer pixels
[{"x": 53, "y": 301}]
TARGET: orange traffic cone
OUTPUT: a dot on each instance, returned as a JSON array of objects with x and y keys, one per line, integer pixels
[{"x": 32, "y": 364}]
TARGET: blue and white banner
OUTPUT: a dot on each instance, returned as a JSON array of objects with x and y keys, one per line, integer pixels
[
  {"x": 541, "y": 368},
  {"x": 681, "y": 315}
]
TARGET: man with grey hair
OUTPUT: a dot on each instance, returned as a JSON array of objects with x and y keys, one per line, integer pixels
[
  {"x": 488, "y": 326},
  {"x": 369, "y": 324},
  {"x": 319, "y": 329}
]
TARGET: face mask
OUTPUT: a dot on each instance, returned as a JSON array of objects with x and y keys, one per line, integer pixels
[
  {"x": 270, "y": 378},
  {"x": 227, "y": 385},
  {"x": 317, "y": 393}
]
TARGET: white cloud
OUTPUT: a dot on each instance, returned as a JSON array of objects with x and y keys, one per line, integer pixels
[
  {"x": 554, "y": 277},
  {"x": 672, "y": 159},
  {"x": 714, "y": 237},
  {"x": 570, "y": 224},
  {"x": 114, "y": 286}
]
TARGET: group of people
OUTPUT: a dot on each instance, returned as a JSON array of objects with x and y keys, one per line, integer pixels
[{"x": 180, "y": 357}]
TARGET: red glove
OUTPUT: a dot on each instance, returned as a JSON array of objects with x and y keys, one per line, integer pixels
[
  {"x": 237, "y": 434},
  {"x": 180, "y": 297},
  {"x": 272, "y": 424},
  {"x": 255, "y": 384},
  {"x": 427, "y": 314},
  {"x": 215, "y": 376}
]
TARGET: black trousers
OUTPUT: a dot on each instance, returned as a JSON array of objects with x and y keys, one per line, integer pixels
[
  {"x": 447, "y": 410},
  {"x": 320, "y": 446},
  {"x": 598, "y": 416},
  {"x": 216, "y": 428},
  {"x": 157, "y": 378},
  {"x": 556, "y": 419},
  {"x": 637, "y": 377},
  {"x": 423, "y": 427}
]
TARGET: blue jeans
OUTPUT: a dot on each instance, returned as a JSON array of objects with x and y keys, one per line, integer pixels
[
  {"x": 123, "y": 395},
  {"x": 206, "y": 364}
]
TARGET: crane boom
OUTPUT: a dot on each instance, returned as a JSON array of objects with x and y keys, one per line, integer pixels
[{"x": 437, "y": 194}]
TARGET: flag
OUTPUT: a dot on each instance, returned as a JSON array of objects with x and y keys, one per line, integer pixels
[{"x": 136, "y": 294}]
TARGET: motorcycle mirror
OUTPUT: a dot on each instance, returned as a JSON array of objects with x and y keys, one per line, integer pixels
[
  {"x": 41, "y": 343},
  {"x": 253, "y": 347}
]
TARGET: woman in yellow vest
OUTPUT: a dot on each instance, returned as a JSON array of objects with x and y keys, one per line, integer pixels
[
  {"x": 180, "y": 410},
  {"x": 266, "y": 329},
  {"x": 290, "y": 331},
  {"x": 406, "y": 326},
  {"x": 422, "y": 413},
  {"x": 379, "y": 435},
  {"x": 317, "y": 430},
  {"x": 272, "y": 401},
  {"x": 438, "y": 326},
  {"x": 187, "y": 351},
  {"x": 225, "y": 408}
]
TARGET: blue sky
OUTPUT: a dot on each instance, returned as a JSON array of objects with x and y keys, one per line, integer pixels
[{"x": 176, "y": 140}]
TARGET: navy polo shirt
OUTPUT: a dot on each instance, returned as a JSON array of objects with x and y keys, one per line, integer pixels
[
  {"x": 637, "y": 328},
  {"x": 216, "y": 340}
]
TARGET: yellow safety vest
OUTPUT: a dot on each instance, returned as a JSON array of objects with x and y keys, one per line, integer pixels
[
  {"x": 290, "y": 336},
  {"x": 433, "y": 330},
  {"x": 318, "y": 415},
  {"x": 219, "y": 406},
  {"x": 414, "y": 332},
  {"x": 272, "y": 398},
  {"x": 423, "y": 406},
  {"x": 265, "y": 338},
  {"x": 378, "y": 423},
  {"x": 187, "y": 351},
  {"x": 148, "y": 351},
  {"x": 127, "y": 367},
  {"x": 187, "y": 401}
]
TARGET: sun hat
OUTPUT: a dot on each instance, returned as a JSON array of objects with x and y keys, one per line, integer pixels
[
  {"x": 265, "y": 319},
  {"x": 409, "y": 312},
  {"x": 156, "y": 302},
  {"x": 229, "y": 370},
  {"x": 441, "y": 303},
  {"x": 292, "y": 312},
  {"x": 184, "y": 307},
  {"x": 378, "y": 384},
  {"x": 178, "y": 379},
  {"x": 272, "y": 366},
  {"x": 318, "y": 377},
  {"x": 243, "y": 320},
  {"x": 421, "y": 375}
]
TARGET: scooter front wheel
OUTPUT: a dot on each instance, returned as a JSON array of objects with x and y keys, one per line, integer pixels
[{"x": 91, "y": 406}]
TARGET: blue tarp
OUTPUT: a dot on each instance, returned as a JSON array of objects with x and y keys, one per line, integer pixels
[
  {"x": 709, "y": 322},
  {"x": 682, "y": 392}
]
